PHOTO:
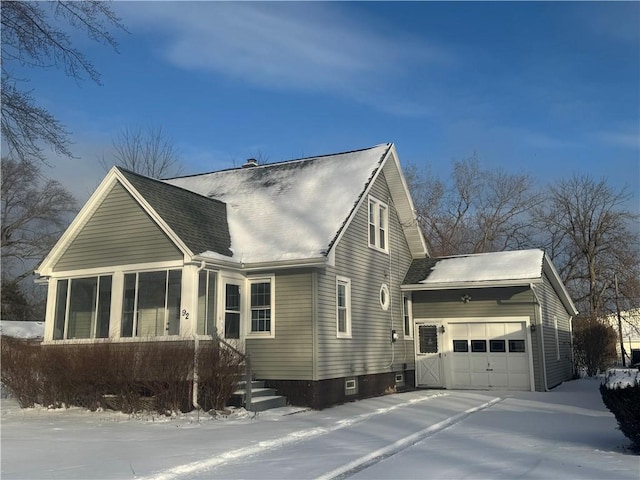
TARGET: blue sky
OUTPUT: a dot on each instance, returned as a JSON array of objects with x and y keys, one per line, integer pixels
[{"x": 543, "y": 87}]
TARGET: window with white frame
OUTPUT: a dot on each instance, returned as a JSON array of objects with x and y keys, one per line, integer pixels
[
  {"x": 206, "y": 320},
  {"x": 557, "y": 338},
  {"x": 261, "y": 307},
  {"x": 406, "y": 316},
  {"x": 378, "y": 225},
  {"x": 343, "y": 307},
  {"x": 83, "y": 308},
  {"x": 151, "y": 303}
]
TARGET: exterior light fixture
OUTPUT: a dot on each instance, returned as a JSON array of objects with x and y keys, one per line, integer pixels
[{"x": 441, "y": 328}]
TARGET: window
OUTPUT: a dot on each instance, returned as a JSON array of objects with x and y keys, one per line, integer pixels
[
  {"x": 460, "y": 346},
  {"x": 478, "y": 345},
  {"x": 151, "y": 303},
  {"x": 428, "y": 339},
  {"x": 206, "y": 322},
  {"x": 83, "y": 308},
  {"x": 384, "y": 296},
  {"x": 555, "y": 331},
  {"x": 378, "y": 225},
  {"x": 516, "y": 346},
  {"x": 343, "y": 307},
  {"x": 406, "y": 316},
  {"x": 261, "y": 306},
  {"x": 232, "y": 310},
  {"x": 497, "y": 346}
]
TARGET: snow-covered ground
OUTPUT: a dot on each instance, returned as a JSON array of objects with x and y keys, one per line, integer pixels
[{"x": 565, "y": 433}]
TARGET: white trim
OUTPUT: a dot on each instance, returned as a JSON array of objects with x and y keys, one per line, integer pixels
[
  {"x": 271, "y": 279},
  {"x": 479, "y": 284},
  {"x": 347, "y": 283},
  {"x": 384, "y": 289},
  {"x": 133, "y": 267},
  {"x": 557, "y": 338}
]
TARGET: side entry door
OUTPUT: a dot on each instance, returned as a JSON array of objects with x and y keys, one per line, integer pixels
[{"x": 428, "y": 338}]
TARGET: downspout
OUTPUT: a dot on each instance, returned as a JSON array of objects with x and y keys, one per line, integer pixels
[
  {"x": 196, "y": 346},
  {"x": 393, "y": 351},
  {"x": 540, "y": 322}
]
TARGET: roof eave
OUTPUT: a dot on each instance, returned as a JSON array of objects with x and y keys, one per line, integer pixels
[
  {"x": 477, "y": 284},
  {"x": 263, "y": 266}
]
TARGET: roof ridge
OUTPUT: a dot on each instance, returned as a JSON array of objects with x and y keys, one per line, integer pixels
[{"x": 282, "y": 162}]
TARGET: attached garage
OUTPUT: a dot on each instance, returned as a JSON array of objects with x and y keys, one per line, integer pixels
[{"x": 497, "y": 321}]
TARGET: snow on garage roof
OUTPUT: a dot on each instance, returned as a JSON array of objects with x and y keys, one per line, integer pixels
[
  {"x": 290, "y": 210},
  {"x": 482, "y": 267}
]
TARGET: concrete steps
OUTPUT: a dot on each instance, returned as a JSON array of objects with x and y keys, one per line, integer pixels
[{"x": 262, "y": 398}]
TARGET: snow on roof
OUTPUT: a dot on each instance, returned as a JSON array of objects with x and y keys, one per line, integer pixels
[
  {"x": 22, "y": 329},
  {"x": 484, "y": 267},
  {"x": 290, "y": 210}
]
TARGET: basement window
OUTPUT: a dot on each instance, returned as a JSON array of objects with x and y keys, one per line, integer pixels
[{"x": 350, "y": 386}]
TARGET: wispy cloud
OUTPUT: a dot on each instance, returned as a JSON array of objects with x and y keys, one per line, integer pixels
[
  {"x": 625, "y": 138},
  {"x": 301, "y": 46}
]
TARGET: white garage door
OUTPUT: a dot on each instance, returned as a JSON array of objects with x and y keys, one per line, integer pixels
[{"x": 489, "y": 356}]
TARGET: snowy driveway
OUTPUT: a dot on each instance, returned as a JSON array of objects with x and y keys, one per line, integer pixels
[{"x": 566, "y": 433}]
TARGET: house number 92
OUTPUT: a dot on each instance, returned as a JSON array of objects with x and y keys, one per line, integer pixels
[{"x": 185, "y": 314}]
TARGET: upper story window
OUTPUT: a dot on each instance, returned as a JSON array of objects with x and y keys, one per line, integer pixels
[
  {"x": 151, "y": 303},
  {"x": 261, "y": 307},
  {"x": 343, "y": 307},
  {"x": 378, "y": 225},
  {"x": 83, "y": 308}
]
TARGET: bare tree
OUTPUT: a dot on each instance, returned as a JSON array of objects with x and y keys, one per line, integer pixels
[
  {"x": 589, "y": 237},
  {"x": 33, "y": 36},
  {"x": 35, "y": 212},
  {"x": 477, "y": 211},
  {"x": 147, "y": 151}
]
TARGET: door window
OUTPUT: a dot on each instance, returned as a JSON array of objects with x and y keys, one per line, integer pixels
[{"x": 428, "y": 339}]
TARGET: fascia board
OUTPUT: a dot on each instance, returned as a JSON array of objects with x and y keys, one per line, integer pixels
[
  {"x": 408, "y": 199},
  {"x": 361, "y": 200},
  {"x": 262, "y": 266},
  {"x": 551, "y": 272},
  {"x": 82, "y": 217},
  {"x": 462, "y": 285}
]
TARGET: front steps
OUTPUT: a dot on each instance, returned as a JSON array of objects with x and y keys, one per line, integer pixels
[{"x": 262, "y": 398}]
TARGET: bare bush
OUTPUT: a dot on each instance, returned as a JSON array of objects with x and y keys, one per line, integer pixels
[
  {"x": 219, "y": 369},
  {"x": 594, "y": 345}
]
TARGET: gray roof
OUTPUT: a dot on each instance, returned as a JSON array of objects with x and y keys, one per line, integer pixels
[{"x": 200, "y": 222}]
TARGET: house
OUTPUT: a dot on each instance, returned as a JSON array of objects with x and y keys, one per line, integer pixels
[
  {"x": 300, "y": 263},
  {"x": 629, "y": 326}
]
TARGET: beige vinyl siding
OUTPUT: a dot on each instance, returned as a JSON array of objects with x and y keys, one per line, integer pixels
[
  {"x": 369, "y": 350},
  {"x": 119, "y": 232},
  {"x": 288, "y": 356},
  {"x": 558, "y": 370}
]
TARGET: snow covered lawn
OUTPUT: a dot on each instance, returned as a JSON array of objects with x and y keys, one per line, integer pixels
[{"x": 566, "y": 433}]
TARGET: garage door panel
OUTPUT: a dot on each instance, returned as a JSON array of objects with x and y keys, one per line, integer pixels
[{"x": 500, "y": 367}]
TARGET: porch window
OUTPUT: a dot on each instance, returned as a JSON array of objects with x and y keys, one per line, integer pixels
[
  {"x": 232, "y": 311},
  {"x": 378, "y": 225},
  {"x": 151, "y": 303},
  {"x": 343, "y": 307},
  {"x": 261, "y": 306},
  {"x": 83, "y": 308},
  {"x": 206, "y": 322}
]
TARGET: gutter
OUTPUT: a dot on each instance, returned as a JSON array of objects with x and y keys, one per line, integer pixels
[
  {"x": 462, "y": 285},
  {"x": 262, "y": 266}
]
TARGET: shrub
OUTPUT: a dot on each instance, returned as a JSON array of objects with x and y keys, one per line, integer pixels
[
  {"x": 124, "y": 376},
  {"x": 594, "y": 346},
  {"x": 216, "y": 385},
  {"x": 624, "y": 403}
]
